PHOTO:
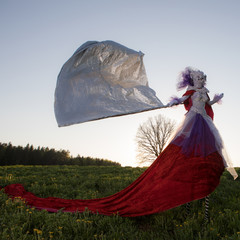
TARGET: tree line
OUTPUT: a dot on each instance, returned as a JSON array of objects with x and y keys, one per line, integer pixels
[{"x": 28, "y": 155}]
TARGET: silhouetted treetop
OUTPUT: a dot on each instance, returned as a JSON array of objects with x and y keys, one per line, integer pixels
[{"x": 28, "y": 155}]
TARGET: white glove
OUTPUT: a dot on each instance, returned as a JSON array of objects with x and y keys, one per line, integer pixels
[
  {"x": 218, "y": 97},
  {"x": 176, "y": 101},
  {"x": 172, "y": 103}
]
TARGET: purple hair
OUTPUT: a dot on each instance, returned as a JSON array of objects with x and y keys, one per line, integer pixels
[{"x": 185, "y": 79}]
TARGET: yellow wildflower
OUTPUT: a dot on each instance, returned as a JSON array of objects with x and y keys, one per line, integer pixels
[{"x": 37, "y": 231}]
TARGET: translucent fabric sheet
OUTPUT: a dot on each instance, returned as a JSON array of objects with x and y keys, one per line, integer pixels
[{"x": 102, "y": 79}]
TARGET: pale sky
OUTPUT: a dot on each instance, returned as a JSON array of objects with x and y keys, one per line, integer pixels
[{"x": 38, "y": 37}]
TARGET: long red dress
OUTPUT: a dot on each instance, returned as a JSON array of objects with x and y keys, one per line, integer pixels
[{"x": 189, "y": 168}]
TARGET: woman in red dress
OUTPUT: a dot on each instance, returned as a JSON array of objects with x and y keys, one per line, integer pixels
[{"x": 198, "y": 136}]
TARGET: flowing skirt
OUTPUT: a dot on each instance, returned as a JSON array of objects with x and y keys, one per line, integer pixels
[{"x": 189, "y": 168}]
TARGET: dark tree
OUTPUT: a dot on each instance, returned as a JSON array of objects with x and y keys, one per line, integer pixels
[{"x": 151, "y": 138}]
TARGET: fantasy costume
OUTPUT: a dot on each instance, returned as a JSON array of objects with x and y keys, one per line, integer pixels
[{"x": 189, "y": 168}]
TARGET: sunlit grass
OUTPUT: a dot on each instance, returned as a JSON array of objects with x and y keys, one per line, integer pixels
[{"x": 18, "y": 221}]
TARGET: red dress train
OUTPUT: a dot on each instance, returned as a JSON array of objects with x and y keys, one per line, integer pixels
[
  {"x": 189, "y": 168},
  {"x": 164, "y": 185}
]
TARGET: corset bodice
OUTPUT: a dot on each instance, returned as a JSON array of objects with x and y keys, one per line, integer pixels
[{"x": 199, "y": 100}]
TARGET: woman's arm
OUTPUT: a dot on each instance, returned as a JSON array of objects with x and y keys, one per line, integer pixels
[
  {"x": 176, "y": 101},
  {"x": 216, "y": 98}
]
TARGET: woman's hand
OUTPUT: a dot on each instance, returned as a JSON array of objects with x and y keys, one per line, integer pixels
[{"x": 175, "y": 101}]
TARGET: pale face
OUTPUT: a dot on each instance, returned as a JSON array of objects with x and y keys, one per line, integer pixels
[{"x": 199, "y": 80}]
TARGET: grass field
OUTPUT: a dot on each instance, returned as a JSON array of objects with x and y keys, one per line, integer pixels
[{"x": 18, "y": 221}]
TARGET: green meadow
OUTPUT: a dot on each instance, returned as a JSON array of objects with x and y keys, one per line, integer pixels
[{"x": 18, "y": 221}]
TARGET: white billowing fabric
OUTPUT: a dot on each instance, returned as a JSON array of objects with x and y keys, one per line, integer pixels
[{"x": 102, "y": 79}]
